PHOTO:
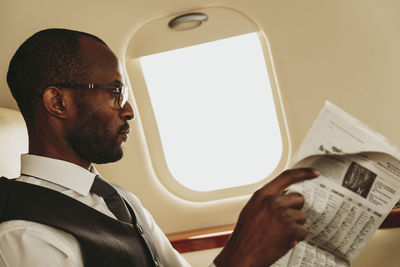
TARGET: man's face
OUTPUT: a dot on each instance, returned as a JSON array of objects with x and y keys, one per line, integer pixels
[{"x": 100, "y": 127}]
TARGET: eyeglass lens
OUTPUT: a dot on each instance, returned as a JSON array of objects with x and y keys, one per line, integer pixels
[{"x": 123, "y": 97}]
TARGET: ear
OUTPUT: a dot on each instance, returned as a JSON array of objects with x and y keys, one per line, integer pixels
[{"x": 54, "y": 100}]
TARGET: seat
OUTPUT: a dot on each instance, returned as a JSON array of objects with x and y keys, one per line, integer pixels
[{"x": 13, "y": 141}]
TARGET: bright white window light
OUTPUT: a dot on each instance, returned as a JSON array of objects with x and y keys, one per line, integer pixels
[{"x": 215, "y": 112}]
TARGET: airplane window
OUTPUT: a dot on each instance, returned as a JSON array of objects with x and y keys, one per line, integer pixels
[{"x": 215, "y": 112}]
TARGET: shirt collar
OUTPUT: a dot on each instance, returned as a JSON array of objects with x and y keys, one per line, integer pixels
[{"x": 59, "y": 172}]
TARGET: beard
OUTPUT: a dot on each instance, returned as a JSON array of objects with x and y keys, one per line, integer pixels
[{"x": 93, "y": 139}]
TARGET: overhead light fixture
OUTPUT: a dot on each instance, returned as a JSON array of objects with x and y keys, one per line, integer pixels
[{"x": 187, "y": 21}]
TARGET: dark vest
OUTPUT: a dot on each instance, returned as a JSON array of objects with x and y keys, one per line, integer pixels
[{"x": 104, "y": 241}]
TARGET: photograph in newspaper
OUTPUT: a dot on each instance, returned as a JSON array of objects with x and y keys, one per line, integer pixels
[{"x": 359, "y": 179}]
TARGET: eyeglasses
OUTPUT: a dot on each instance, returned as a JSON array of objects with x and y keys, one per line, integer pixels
[{"x": 121, "y": 94}]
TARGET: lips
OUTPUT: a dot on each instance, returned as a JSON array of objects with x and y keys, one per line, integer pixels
[
  {"x": 124, "y": 137},
  {"x": 124, "y": 132}
]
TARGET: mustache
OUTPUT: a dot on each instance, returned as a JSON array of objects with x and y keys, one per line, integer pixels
[{"x": 124, "y": 129}]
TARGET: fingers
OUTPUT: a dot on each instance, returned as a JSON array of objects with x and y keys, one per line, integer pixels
[
  {"x": 289, "y": 177},
  {"x": 295, "y": 234},
  {"x": 297, "y": 231},
  {"x": 289, "y": 206},
  {"x": 298, "y": 216},
  {"x": 293, "y": 224},
  {"x": 292, "y": 200},
  {"x": 301, "y": 233}
]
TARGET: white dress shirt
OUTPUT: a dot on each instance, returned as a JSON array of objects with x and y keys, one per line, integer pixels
[{"x": 26, "y": 243}]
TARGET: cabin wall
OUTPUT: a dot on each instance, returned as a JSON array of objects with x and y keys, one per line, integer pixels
[
  {"x": 343, "y": 51},
  {"x": 338, "y": 51}
]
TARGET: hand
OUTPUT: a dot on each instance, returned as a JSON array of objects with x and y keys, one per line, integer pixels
[{"x": 269, "y": 225}]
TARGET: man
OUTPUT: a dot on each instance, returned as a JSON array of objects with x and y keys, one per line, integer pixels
[{"x": 69, "y": 89}]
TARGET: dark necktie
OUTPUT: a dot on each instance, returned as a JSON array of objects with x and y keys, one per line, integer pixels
[{"x": 111, "y": 197}]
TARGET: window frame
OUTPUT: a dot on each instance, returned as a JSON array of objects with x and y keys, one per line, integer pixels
[{"x": 151, "y": 132}]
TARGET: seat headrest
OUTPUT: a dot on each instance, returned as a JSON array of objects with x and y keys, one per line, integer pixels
[{"x": 13, "y": 142}]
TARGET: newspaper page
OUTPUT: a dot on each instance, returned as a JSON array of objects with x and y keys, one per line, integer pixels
[{"x": 358, "y": 186}]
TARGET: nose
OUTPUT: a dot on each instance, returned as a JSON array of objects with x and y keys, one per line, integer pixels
[{"x": 127, "y": 112}]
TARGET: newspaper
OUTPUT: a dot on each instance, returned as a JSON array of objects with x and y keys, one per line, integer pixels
[{"x": 358, "y": 186}]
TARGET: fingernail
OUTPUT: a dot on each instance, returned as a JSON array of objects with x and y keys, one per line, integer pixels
[{"x": 316, "y": 172}]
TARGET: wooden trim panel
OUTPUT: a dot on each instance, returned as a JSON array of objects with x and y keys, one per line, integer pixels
[
  {"x": 190, "y": 245},
  {"x": 218, "y": 236},
  {"x": 392, "y": 220},
  {"x": 209, "y": 238}
]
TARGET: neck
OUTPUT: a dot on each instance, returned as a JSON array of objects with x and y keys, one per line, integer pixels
[
  {"x": 56, "y": 150},
  {"x": 46, "y": 138}
]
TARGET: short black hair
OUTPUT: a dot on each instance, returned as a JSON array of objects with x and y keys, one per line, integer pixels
[{"x": 48, "y": 57}]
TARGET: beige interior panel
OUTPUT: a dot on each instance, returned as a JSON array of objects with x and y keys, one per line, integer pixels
[
  {"x": 343, "y": 51},
  {"x": 381, "y": 250}
]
